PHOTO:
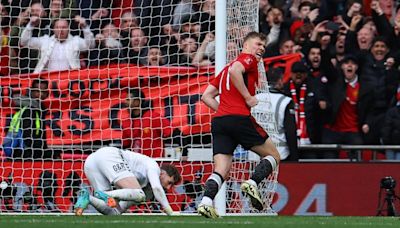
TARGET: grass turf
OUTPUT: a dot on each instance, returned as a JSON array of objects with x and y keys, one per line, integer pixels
[{"x": 40, "y": 221}]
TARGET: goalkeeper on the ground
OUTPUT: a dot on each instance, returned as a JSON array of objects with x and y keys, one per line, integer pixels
[{"x": 136, "y": 178}]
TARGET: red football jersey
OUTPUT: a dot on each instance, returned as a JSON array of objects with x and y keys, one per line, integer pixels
[
  {"x": 231, "y": 102},
  {"x": 145, "y": 134}
]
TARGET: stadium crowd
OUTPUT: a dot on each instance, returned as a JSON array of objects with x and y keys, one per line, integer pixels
[{"x": 345, "y": 88}]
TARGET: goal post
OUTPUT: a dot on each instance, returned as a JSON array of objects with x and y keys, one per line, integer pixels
[{"x": 220, "y": 62}]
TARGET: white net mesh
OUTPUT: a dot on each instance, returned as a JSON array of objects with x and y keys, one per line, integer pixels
[{"x": 164, "y": 48}]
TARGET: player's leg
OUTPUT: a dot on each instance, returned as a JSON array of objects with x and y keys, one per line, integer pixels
[
  {"x": 269, "y": 160},
  {"x": 266, "y": 166},
  {"x": 97, "y": 181},
  {"x": 125, "y": 205},
  {"x": 223, "y": 147},
  {"x": 255, "y": 138},
  {"x": 128, "y": 189},
  {"x": 222, "y": 166}
]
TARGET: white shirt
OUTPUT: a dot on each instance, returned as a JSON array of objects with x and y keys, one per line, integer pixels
[
  {"x": 147, "y": 171},
  {"x": 58, "y": 60},
  {"x": 352, "y": 83}
]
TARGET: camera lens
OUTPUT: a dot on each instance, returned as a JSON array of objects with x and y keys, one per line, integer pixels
[{"x": 388, "y": 183}]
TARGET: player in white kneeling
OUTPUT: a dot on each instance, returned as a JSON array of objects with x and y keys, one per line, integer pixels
[{"x": 129, "y": 173}]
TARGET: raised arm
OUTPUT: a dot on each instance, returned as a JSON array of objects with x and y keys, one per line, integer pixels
[
  {"x": 26, "y": 35},
  {"x": 88, "y": 38}
]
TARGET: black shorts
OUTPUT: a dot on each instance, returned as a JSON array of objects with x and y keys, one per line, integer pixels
[{"x": 229, "y": 131}]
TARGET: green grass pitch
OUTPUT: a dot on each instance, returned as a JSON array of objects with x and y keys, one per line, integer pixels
[{"x": 44, "y": 221}]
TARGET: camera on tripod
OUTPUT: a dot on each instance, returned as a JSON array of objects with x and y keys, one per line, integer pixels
[{"x": 388, "y": 184}]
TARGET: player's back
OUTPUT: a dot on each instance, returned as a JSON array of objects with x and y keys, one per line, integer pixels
[
  {"x": 139, "y": 165},
  {"x": 136, "y": 163},
  {"x": 231, "y": 101}
]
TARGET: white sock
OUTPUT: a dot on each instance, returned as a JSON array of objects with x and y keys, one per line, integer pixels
[
  {"x": 127, "y": 194},
  {"x": 102, "y": 207},
  {"x": 125, "y": 205},
  {"x": 206, "y": 201}
]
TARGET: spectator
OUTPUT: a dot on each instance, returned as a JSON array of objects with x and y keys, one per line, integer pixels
[
  {"x": 24, "y": 60},
  {"x": 356, "y": 42},
  {"x": 186, "y": 53},
  {"x": 391, "y": 129},
  {"x": 287, "y": 47},
  {"x": 109, "y": 47},
  {"x": 314, "y": 60},
  {"x": 154, "y": 15},
  {"x": 378, "y": 70},
  {"x": 263, "y": 6},
  {"x": 348, "y": 106},
  {"x": 354, "y": 8},
  {"x": 339, "y": 49},
  {"x": 144, "y": 131},
  {"x": 95, "y": 10},
  {"x": 364, "y": 38},
  {"x": 301, "y": 90},
  {"x": 169, "y": 40},
  {"x": 98, "y": 13},
  {"x": 99, "y": 18},
  {"x": 155, "y": 57},
  {"x": 118, "y": 8},
  {"x": 32, "y": 117},
  {"x": 137, "y": 50},
  {"x": 275, "y": 27},
  {"x": 56, "y": 8},
  {"x": 387, "y": 7},
  {"x": 197, "y": 25},
  {"x": 302, "y": 34},
  {"x": 202, "y": 57},
  {"x": 201, "y": 22},
  {"x": 128, "y": 21},
  {"x": 61, "y": 50},
  {"x": 184, "y": 8}
]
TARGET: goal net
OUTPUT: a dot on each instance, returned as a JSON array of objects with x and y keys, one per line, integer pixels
[{"x": 71, "y": 75}]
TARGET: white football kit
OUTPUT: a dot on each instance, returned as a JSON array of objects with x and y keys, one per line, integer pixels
[{"x": 110, "y": 164}]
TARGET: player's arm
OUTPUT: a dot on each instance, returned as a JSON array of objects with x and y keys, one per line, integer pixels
[
  {"x": 236, "y": 72},
  {"x": 158, "y": 191},
  {"x": 209, "y": 96}
]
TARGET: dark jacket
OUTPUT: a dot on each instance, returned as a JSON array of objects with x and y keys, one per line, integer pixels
[
  {"x": 384, "y": 80},
  {"x": 34, "y": 138},
  {"x": 391, "y": 127},
  {"x": 336, "y": 95},
  {"x": 311, "y": 108}
]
